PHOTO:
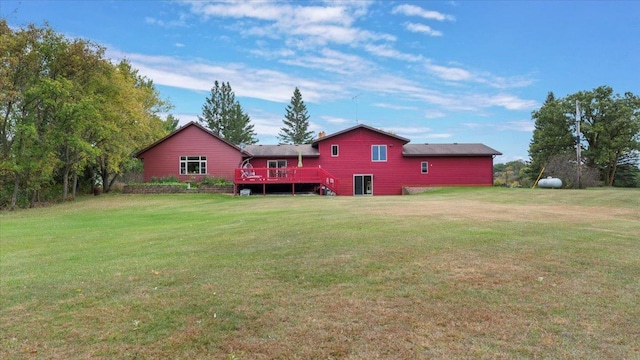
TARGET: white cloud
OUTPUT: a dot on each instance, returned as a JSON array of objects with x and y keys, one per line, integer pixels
[
  {"x": 246, "y": 81},
  {"x": 332, "y": 61},
  {"x": 387, "y": 51},
  {"x": 413, "y": 10},
  {"x": 449, "y": 73},
  {"x": 335, "y": 120},
  {"x": 517, "y": 125},
  {"x": 408, "y": 132},
  {"x": 394, "y": 106},
  {"x": 459, "y": 74},
  {"x": 321, "y": 25},
  {"x": 438, "y": 136},
  {"x": 434, "y": 114},
  {"x": 421, "y": 28},
  {"x": 511, "y": 102}
]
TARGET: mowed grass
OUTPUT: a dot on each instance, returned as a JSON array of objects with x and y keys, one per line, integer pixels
[{"x": 452, "y": 273}]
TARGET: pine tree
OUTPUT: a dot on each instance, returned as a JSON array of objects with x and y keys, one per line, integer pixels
[
  {"x": 552, "y": 134},
  {"x": 296, "y": 121},
  {"x": 240, "y": 130},
  {"x": 223, "y": 115},
  {"x": 217, "y": 107}
]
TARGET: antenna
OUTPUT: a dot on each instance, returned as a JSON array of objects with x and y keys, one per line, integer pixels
[{"x": 356, "y": 99}]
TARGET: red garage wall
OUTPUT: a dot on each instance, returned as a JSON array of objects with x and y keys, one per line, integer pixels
[
  {"x": 163, "y": 158},
  {"x": 443, "y": 171}
]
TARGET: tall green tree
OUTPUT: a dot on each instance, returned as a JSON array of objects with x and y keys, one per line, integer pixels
[
  {"x": 132, "y": 106},
  {"x": 27, "y": 153},
  {"x": 240, "y": 130},
  {"x": 551, "y": 135},
  {"x": 65, "y": 111},
  {"x": 296, "y": 122},
  {"x": 610, "y": 124},
  {"x": 609, "y": 129},
  {"x": 224, "y": 116},
  {"x": 171, "y": 123}
]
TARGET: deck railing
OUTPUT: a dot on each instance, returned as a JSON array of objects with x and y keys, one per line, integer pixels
[{"x": 289, "y": 175}]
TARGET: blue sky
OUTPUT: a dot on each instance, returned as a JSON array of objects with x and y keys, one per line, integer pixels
[{"x": 430, "y": 71}]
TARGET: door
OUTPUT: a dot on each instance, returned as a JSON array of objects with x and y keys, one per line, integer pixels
[
  {"x": 363, "y": 185},
  {"x": 273, "y": 165}
]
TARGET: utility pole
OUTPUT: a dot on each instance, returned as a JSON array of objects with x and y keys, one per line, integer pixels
[{"x": 578, "y": 146}]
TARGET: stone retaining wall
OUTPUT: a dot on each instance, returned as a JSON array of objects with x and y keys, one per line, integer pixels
[{"x": 176, "y": 189}]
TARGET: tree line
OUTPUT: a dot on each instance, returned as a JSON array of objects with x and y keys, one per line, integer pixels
[
  {"x": 609, "y": 138},
  {"x": 609, "y": 141},
  {"x": 68, "y": 115},
  {"x": 71, "y": 119}
]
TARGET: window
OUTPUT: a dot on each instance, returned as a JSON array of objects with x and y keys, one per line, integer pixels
[
  {"x": 379, "y": 153},
  {"x": 424, "y": 167},
  {"x": 281, "y": 165},
  {"x": 334, "y": 150},
  {"x": 193, "y": 165}
]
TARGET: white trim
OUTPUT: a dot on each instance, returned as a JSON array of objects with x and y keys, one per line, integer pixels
[
  {"x": 201, "y": 163},
  {"x": 364, "y": 186},
  {"x": 337, "y": 150},
  {"x": 379, "y": 146},
  {"x": 423, "y": 167}
]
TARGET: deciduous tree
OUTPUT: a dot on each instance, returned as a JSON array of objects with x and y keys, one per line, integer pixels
[{"x": 610, "y": 130}]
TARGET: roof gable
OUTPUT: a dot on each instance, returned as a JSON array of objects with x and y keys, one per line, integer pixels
[
  {"x": 454, "y": 149},
  {"x": 181, "y": 129},
  {"x": 361, "y": 126}
]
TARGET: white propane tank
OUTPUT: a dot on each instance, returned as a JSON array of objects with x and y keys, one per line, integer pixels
[{"x": 550, "y": 183}]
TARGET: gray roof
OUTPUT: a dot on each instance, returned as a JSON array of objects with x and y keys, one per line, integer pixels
[
  {"x": 361, "y": 126},
  {"x": 454, "y": 149},
  {"x": 281, "y": 150}
]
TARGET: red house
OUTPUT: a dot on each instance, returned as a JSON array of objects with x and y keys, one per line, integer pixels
[
  {"x": 360, "y": 160},
  {"x": 191, "y": 152}
]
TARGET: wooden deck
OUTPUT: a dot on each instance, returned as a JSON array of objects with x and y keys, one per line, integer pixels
[{"x": 290, "y": 175}]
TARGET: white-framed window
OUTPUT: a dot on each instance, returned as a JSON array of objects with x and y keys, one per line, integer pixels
[
  {"x": 334, "y": 150},
  {"x": 378, "y": 152},
  {"x": 424, "y": 167},
  {"x": 277, "y": 168},
  {"x": 193, "y": 165}
]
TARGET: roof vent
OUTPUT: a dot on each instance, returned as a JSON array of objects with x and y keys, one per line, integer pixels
[{"x": 321, "y": 134}]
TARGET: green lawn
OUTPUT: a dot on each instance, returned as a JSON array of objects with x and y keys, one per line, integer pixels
[{"x": 452, "y": 273}]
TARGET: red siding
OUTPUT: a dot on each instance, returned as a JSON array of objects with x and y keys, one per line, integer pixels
[
  {"x": 164, "y": 159},
  {"x": 398, "y": 171},
  {"x": 354, "y": 158},
  {"x": 475, "y": 171}
]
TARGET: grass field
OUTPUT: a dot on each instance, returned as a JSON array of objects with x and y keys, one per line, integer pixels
[{"x": 453, "y": 273}]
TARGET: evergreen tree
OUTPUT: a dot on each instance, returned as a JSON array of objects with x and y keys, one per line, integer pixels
[
  {"x": 170, "y": 123},
  {"x": 223, "y": 115},
  {"x": 551, "y": 136},
  {"x": 217, "y": 108},
  {"x": 240, "y": 130},
  {"x": 296, "y": 121}
]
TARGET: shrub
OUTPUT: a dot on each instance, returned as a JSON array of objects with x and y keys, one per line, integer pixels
[
  {"x": 171, "y": 179},
  {"x": 208, "y": 180}
]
